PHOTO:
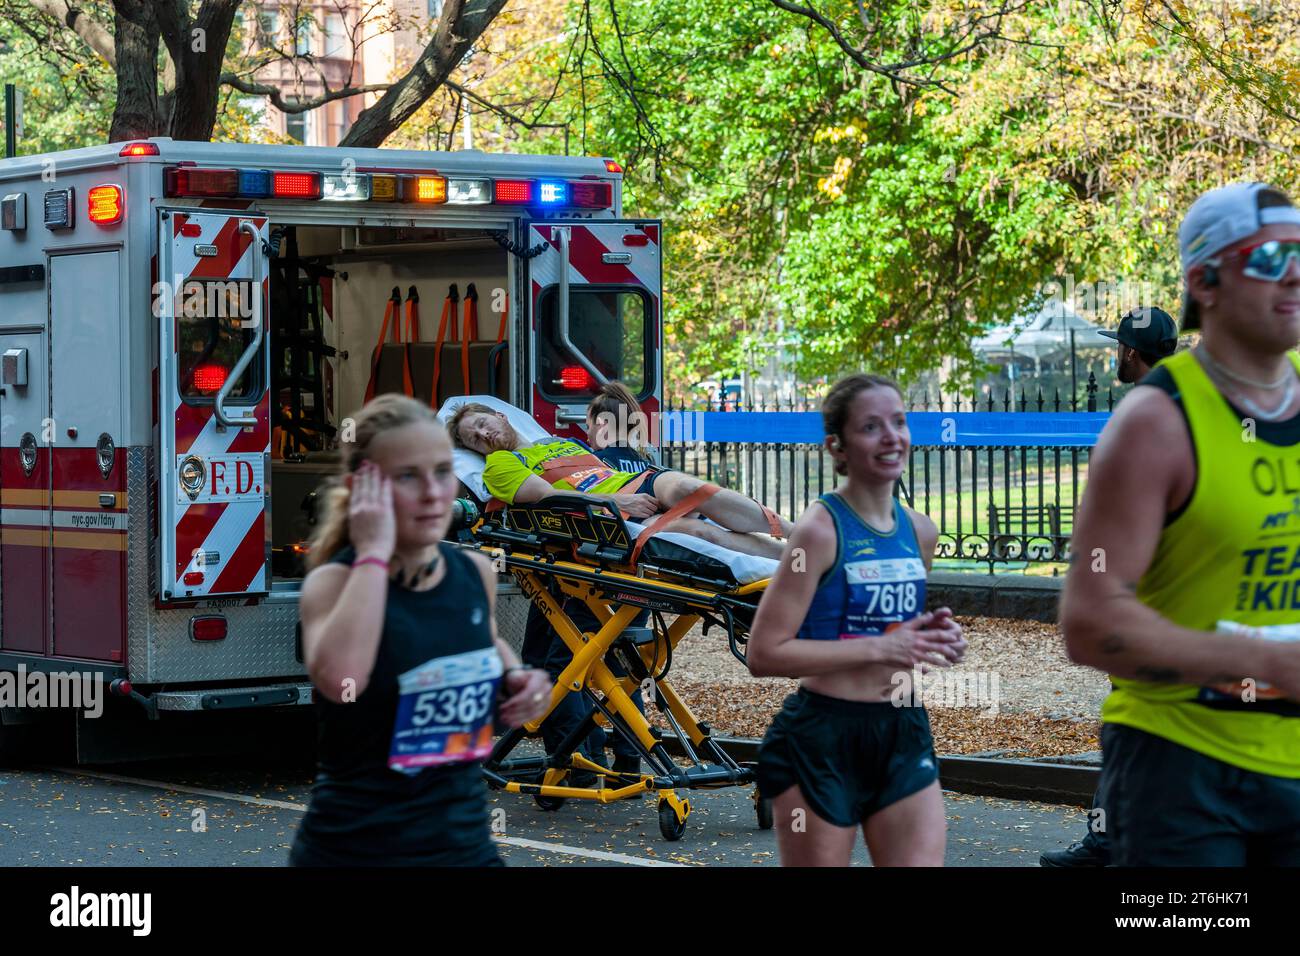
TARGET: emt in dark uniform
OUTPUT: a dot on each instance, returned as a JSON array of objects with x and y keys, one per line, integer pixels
[
  {"x": 845, "y": 613},
  {"x": 1145, "y": 337},
  {"x": 400, "y": 641},
  {"x": 610, "y": 440}
]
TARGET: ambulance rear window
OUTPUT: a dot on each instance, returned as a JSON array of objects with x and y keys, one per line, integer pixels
[
  {"x": 210, "y": 336},
  {"x": 610, "y": 325}
]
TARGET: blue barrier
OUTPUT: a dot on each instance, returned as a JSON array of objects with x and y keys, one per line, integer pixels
[{"x": 961, "y": 429}]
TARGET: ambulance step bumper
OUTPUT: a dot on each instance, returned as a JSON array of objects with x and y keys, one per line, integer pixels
[{"x": 276, "y": 695}]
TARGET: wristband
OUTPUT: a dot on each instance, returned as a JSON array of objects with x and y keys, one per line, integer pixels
[{"x": 380, "y": 562}]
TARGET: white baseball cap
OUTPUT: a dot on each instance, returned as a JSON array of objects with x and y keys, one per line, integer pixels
[{"x": 1221, "y": 218}]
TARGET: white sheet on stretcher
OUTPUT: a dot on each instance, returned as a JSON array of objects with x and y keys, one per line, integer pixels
[{"x": 469, "y": 466}]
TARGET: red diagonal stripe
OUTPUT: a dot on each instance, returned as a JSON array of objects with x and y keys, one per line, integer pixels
[
  {"x": 231, "y": 246},
  {"x": 244, "y": 563},
  {"x": 259, "y": 439},
  {"x": 192, "y": 530},
  {"x": 585, "y": 251},
  {"x": 190, "y": 420}
]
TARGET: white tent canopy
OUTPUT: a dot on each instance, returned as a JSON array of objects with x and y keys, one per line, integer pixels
[{"x": 1043, "y": 336}]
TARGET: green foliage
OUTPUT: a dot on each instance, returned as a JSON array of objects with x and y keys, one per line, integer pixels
[
  {"x": 67, "y": 101},
  {"x": 884, "y": 225}
]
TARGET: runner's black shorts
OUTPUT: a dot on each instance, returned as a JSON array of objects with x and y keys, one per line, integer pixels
[
  {"x": 1168, "y": 805},
  {"x": 850, "y": 759}
]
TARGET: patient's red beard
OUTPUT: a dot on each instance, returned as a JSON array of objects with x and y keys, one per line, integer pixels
[{"x": 508, "y": 441}]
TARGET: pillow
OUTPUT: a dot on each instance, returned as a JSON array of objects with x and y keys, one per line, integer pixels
[{"x": 468, "y": 464}]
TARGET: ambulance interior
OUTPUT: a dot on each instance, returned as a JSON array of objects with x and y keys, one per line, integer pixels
[
  {"x": 331, "y": 295},
  {"x": 449, "y": 332}
]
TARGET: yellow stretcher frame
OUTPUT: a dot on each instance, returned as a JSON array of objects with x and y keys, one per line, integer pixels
[{"x": 615, "y": 594}]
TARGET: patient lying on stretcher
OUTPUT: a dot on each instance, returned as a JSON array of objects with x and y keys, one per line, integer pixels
[{"x": 519, "y": 472}]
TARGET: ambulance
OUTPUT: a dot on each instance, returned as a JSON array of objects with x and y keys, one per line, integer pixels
[{"x": 185, "y": 329}]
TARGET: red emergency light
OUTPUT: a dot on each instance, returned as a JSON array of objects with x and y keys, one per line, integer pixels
[
  {"x": 209, "y": 377},
  {"x": 139, "y": 149},
  {"x": 104, "y": 205},
  {"x": 186, "y": 181},
  {"x": 208, "y": 628},
  {"x": 612, "y": 167},
  {"x": 296, "y": 185},
  {"x": 576, "y": 378},
  {"x": 514, "y": 190},
  {"x": 590, "y": 195},
  {"x": 193, "y": 578}
]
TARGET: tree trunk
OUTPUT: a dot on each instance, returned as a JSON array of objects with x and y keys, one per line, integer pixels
[
  {"x": 443, "y": 54},
  {"x": 198, "y": 72},
  {"x": 135, "y": 115}
]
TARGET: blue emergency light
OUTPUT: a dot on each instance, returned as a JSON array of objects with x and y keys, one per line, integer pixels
[
  {"x": 552, "y": 193},
  {"x": 255, "y": 183}
]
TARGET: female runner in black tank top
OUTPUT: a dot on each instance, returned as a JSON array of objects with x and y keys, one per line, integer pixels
[{"x": 400, "y": 641}]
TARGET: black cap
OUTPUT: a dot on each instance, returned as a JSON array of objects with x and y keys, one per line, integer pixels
[{"x": 1147, "y": 330}]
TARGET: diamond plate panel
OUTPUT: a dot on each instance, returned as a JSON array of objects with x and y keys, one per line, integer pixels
[
  {"x": 159, "y": 649},
  {"x": 512, "y": 613}
]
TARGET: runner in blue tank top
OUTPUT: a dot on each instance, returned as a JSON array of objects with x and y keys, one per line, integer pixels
[{"x": 845, "y": 613}]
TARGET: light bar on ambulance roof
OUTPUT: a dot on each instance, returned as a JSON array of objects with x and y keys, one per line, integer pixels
[
  {"x": 430, "y": 189},
  {"x": 255, "y": 183},
  {"x": 351, "y": 187},
  {"x": 513, "y": 191},
  {"x": 591, "y": 195},
  {"x": 105, "y": 205},
  {"x": 383, "y": 187},
  {"x": 187, "y": 181},
  {"x": 296, "y": 185},
  {"x": 469, "y": 192},
  {"x": 552, "y": 192}
]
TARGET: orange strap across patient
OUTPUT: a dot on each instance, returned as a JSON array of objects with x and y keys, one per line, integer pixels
[
  {"x": 558, "y": 469},
  {"x": 685, "y": 506}
]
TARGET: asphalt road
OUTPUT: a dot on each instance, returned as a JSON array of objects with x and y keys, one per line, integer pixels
[{"x": 245, "y": 811}]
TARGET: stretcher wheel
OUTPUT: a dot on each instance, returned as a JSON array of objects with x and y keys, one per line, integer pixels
[
  {"x": 669, "y": 826},
  {"x": 763, "y": 810},
  {"x": 549, "y": 804}
]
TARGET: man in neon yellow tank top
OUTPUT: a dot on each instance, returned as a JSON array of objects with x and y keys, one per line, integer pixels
[{"x": 1185, "y": 576}]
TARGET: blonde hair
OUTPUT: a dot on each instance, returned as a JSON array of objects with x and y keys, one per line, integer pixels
[{"x": 381, "y": 414}]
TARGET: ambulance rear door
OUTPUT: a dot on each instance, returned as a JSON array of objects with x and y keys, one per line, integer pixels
[
  {"x": 213, "y": 401},
  {"x": 609, "y": 275}
]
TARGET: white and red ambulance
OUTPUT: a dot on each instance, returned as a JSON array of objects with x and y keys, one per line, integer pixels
[{"x": 184, "y": 327}]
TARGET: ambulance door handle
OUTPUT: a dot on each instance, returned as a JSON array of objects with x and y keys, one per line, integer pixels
[
  {"x": 562, "y": 232},
  {"x": 245, "y": 226}
]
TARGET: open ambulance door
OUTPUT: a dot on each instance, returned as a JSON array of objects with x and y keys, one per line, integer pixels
[
  {"x": 213, "y": 401},
  {"x": 594, "y": 312}
]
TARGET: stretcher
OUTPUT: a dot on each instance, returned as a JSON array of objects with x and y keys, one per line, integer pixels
[{"x": 569, "y": 546}]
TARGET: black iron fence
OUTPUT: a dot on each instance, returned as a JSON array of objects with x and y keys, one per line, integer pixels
[{"x": 994, "y": 504}]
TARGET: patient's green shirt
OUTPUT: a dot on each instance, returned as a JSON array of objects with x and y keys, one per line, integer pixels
[{"x": 507, "y": 470}]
